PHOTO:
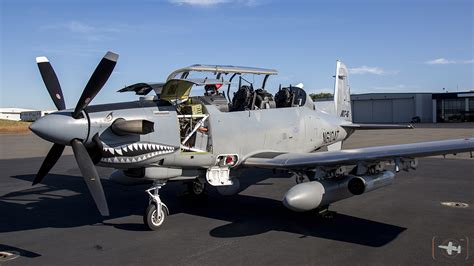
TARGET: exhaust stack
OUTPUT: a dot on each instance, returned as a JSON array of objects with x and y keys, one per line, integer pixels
[{"x": 140, "y": 127}]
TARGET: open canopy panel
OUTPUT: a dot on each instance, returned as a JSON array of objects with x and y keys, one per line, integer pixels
[
  {"x": 223, "y": 69},
  {"x": 179, "y": 89}
]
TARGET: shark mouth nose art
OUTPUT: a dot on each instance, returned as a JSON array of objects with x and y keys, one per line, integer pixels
[{"x": 132, "y": 153}]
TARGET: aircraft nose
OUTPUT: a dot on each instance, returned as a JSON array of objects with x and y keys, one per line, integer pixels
[{"x": 60, "y": 128}]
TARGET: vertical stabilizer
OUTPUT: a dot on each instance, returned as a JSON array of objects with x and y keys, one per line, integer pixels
[{"x": 342, "y": 93}]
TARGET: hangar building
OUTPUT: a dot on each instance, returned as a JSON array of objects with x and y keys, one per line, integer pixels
[
  {"x": 12, "y": 113},
  {"x": 406, "y": 107}
]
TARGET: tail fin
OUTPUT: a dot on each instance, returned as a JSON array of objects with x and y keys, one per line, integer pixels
[{"x": 342, "y": 93}]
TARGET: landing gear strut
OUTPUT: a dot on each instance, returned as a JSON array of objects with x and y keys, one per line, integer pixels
[
  {"x": 325, "y": 213},
  {"x": 157, "y": 211}
]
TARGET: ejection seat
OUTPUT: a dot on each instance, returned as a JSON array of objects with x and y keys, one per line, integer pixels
[
  {"x": 264, "y": 99},
  {"x": 290, "y": 97}
]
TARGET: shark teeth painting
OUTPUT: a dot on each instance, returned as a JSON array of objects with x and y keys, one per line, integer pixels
[{"x": 133, "y": 153}]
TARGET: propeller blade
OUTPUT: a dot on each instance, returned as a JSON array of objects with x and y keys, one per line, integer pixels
[
  {"x": 48, "y": 163},
  {"x": 51, "y": 82},
  {"x": 90, "y": 176},
  {"x": 96, "y": 82},
  {"x": 95, "y": 151}
]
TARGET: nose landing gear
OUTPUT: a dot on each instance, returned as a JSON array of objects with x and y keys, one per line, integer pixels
[{"x": 157, "y": 211}]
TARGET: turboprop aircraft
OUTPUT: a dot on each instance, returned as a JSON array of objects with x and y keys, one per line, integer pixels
[{"x": 209, "y": 137}]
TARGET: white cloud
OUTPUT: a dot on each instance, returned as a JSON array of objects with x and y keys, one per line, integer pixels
[
  {"x": 440, "y": 61},
  {"x": 209, "y": 3},
  {"x": 79, "y": 27},
  {"x": 444, "y": 61},
  {"x": 201, "y": 3},
  {"x": 86, "y": 31},
  {"x": 370, "y": 70}
]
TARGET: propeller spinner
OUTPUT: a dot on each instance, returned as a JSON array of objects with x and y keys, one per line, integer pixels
[{"x": 70, "y": 128}]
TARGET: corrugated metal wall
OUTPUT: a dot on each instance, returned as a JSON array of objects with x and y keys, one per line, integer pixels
[{"x": 384, "y": 109}]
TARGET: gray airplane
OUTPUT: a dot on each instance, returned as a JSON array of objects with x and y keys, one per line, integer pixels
[{"x": 208, "y": 137}]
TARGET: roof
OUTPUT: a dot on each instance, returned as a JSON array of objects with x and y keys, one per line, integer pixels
[
  {"x": 14, "y": 110},
  {"x": 224, "y": 69},
  {"x": 453, "y": 95}
]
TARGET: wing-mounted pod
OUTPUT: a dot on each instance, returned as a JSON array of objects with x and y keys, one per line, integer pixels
[
  {"x": 140, "y": 127},
  {"x": 311, "y": 195}
]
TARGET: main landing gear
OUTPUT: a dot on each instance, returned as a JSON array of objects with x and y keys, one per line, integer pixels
[
  {"x": 197, "y": 188},
  {"x": 325, "y": 213},
  {"x": 157, "y": 211}
]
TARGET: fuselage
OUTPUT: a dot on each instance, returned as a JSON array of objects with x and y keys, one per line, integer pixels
[{"x": 244, "y": 133}]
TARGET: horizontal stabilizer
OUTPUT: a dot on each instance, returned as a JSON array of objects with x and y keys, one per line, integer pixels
[{"x": 376, "y": 126}]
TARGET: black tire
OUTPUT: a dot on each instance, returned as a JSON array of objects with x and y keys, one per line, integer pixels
[
  {"x": 196, "y": 189},
  {"x": 149, "y": 218}
]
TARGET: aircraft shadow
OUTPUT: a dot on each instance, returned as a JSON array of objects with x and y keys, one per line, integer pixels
[
  {"x": 19, "y": 251},
  {"x": 63, "y": 201},
  {"x": 249, "y": 215},
  {"x": 54, "y": 205}
]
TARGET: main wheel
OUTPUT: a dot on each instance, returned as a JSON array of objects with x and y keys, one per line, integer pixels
[
  {"x": 196, "y": 188},
  {"x": 151, "y": 219}
]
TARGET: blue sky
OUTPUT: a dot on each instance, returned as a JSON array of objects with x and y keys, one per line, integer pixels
[{"x": 389, "y": 46}]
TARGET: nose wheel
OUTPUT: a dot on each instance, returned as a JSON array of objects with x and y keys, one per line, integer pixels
[{"x": 156, "y": 212}]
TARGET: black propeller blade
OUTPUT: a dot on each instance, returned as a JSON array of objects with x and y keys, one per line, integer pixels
[
  {"x": 90, "y": 176},
  {"x": 51, "y": 82},
  {"x": 96, "y": 82},
  {"x": 53, "y": 156},
  {"x": 95, "y": 150}
]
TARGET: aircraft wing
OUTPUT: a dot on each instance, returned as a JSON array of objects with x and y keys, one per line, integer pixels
[{"x": 276, "y": 160}]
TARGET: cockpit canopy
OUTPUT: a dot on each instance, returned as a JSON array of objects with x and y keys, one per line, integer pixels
[
  {"x": 179, "y": 83},
  {"x": 217, "y": 81}
]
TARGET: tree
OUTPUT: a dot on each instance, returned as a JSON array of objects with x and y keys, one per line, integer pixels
[{"x": 320, "y": 95}]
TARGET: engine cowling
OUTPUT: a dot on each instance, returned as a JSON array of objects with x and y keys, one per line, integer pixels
[{"x": 311, "y": 195}]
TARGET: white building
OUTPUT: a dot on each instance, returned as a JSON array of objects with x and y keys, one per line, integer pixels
[{"x": 12, "y": 113}]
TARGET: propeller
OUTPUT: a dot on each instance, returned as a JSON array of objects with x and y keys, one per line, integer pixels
[
  {"x": 96, "y": 82},
  {"x": 85, "y": 157}
]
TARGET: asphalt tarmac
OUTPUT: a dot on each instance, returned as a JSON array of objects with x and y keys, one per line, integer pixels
[{"x": 56, "y": 223}]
